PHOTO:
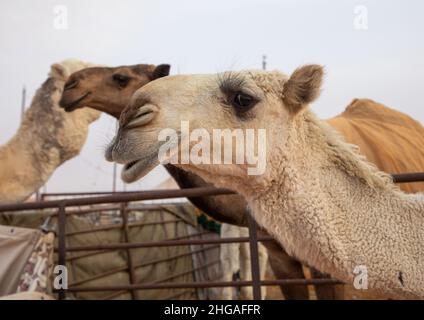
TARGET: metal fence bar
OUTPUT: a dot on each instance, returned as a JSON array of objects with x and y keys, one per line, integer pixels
[
  {"x": 85, "y": 255},
  {"x": 88, "y": 193},
  {"x": 120, "y": 226},
  {"x": 164, "y": 243},
  {"x": 254, "y": 256},
  {"x": 397, "y": 178},
  {"x": 101, "y": 208},
  {"x": 170, "y": 239},
  {"x": 89, "y": 254},
  {"x": 130, "y": 265},
  {"x": 99, "y": 276},
  {"x": 159, "y": 194},
  {"x": 84, "y": 211},
  {"x": 177, "y": 275},
  {"x": 161, "y": 280},
  {"x": 62, "y": 242},
  {"x": 117, "y": 198},
  {"x": 408, "y": 177},
  {"x": 181, "y": 255}
]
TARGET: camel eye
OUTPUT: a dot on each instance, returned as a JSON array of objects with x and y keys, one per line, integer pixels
[
  {"x": 121, "y": 80},
  {"x": 242, "y": 101}
]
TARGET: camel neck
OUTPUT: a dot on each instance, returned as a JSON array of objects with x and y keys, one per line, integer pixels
[
  {"x": 31, "y": 155},
  {"x": 335, "y": 212}
]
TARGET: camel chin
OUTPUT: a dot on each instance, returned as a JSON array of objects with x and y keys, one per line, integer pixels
[{"x": 137, "y": 169}]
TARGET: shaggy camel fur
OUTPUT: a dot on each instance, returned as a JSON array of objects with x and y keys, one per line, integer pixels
[
  {"x": 318, "y": 196},
  {"x": 46, "y": 138}
]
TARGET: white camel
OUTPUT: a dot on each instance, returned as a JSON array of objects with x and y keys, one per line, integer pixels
[{"x": 318, "y": 196}]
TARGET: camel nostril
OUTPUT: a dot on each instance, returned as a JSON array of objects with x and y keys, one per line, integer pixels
[{"x": 70, "y": 84}]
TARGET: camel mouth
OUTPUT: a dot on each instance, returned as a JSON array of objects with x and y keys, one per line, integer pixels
[
  {"x": 128, "y": 166},
  {"x": 71, "y": 106},
  {"x": 137, "y": 169},
  {"x": 134, "y": 170}
]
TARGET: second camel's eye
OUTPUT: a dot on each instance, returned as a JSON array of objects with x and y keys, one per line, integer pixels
[
  {"x": 242, "y": 101},
  {"x": 121, "y": 79}
]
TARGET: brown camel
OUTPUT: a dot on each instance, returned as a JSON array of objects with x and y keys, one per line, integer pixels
[
  {"x": 358, "y": 117},
  {"x": 98, "y": 87},
  {"x": 317, "y": 195}
]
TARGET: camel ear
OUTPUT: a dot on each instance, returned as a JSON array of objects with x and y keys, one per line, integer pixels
[
  {"x": 303, "y": 87},
  {"x": 57, "y": 71},
  {"x": 160, "y": 71}
]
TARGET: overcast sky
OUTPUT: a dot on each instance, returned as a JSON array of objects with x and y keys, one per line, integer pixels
[{"x": 383, "y": 59}]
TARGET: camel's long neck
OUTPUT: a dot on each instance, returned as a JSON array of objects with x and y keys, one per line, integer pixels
[
  {"x": 34, "y": 152},
  {"x": 333, "y": 211}
]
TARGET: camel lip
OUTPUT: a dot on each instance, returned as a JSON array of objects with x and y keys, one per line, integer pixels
[
  {"x": 71, "y": 106},
  {"x": 131, "y": 164},
  {"x": 137, "y": 169},
  {"x": 130, "y": 171}
]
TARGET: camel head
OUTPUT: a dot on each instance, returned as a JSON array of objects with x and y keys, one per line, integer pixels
[
  {"x": 246, "y": 100},
  {"x": 108, "y": 89}
]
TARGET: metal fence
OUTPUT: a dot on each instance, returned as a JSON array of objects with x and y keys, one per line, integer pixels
[{"x": 122, "y": 199}]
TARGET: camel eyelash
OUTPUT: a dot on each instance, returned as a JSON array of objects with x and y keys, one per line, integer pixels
[{"x": 230, "y": 83}]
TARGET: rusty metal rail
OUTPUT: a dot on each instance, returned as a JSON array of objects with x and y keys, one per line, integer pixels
[
  {"x": 162, "y": 243},
  {"x": 408, "y": 177},
  {"x": 93, "y": 253},
  {"x": 119, "y": 198},
  {"x": 129, "y": 196},
  {"x": 120, "y": 226},
  {"x": 122, "y": 198}
]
